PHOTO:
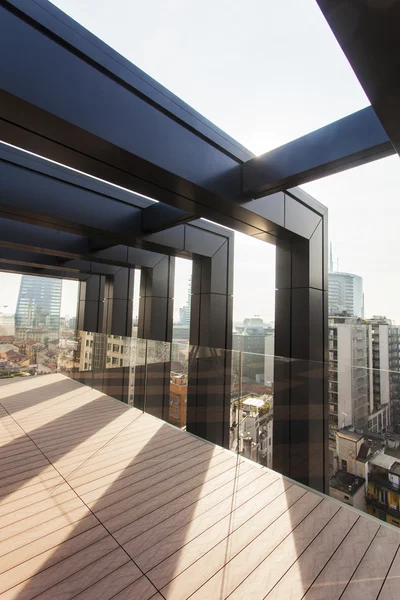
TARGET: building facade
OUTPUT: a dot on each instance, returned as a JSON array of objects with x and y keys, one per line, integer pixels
[
  {"x": 38, "y": 307},
  {"x": 348, "y": 374},
  {"x": 346, "y": 296},
  {"x": 384, "y": 375}
]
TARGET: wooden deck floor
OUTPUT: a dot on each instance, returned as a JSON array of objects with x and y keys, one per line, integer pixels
[{"x": 100, "y": 501}]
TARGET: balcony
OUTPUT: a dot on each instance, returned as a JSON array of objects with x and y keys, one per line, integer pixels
[{"x": 99, "y": 500}]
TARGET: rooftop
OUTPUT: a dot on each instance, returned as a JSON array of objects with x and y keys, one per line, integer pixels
[
  {"x": 346, "y": 482},
  {"x": 99, "y": 500},
  {"x": 350, "y": 435}
]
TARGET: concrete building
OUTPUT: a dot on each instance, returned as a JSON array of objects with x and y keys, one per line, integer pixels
[
  {"x": 178, "y": 400},
  {"x": 383, "y": 489},
  {"x": 7, "y": 324},
  {"x": 348, "y": 386},
  {"x": 384, "y": 374},
  {"x": 350, "y": 478},
  {"x": 346, "y": 295},
  {"x": 250, "y": 340}
]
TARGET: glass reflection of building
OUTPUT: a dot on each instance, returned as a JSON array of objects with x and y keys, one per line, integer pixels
[{"x": 38, "y": 306}]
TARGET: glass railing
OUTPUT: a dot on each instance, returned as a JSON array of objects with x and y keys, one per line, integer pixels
[{"x": 238, "y": 400}]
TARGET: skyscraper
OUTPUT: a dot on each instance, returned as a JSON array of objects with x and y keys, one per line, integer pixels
[
  {"x": 346, "y": 295},
  {"x": 38, "y": 307}
]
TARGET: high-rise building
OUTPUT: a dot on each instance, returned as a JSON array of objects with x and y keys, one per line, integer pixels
[
  {"x": 251, "y": 341},
  {"x": 345, "y": 294},
  {"x": 38, "y": 307},
  {"x": 349, "y": 340},
  {"x": 184, "y": 312},
  {"x": 384, "y": 374}
]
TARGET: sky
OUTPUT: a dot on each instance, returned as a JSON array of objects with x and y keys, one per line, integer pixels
[{"x": 266, "y": 72}]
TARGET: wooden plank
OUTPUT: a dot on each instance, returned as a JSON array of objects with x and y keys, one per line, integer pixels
[
  {"x": 306, "y": 568},
  {"x": 156, "y": 474},
  {"x": 22, "y": 468},
  {"x": 233, "y": 511},
  {"x": 199, "y": 521},
  {"x": 47, "y": 481},
  {"x": 333, "y": 578},
  {"x": 243, "y": 549},
  {"x": 266, "y": 575},
  {"x": 31, "y": 475},
  {"x": 15, "y": 528},
  {"x": 156, "y": 533},
  {"x": 123, "y": 525},
  {"x": 32, "y": 509},
  {"x": 50, "y": 541},
  {"x": 172, "y": 566},
  {"x": 390, "y": 589},
  {"x": 32, "y": 500},
  {"x": 118, "y": 479},
  {"x": 107, "y": 587},
  {"x": 35, "y": 533},
  {"x": 29, "y": 567},
  {"x": 372, "y": 570},
  {"x": 88, "y": 473},
  {"x": 142, "y": 493},
  {"x": 72, "y": 575},
  {"x": 142, "y": 589},
  {"x": 215, "y": 484}
]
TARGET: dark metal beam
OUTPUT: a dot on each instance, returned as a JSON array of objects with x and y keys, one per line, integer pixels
[
  {"x": 69, "y": 247},
  {"x": 159, "y": 217},
  {"x": 45, "y": 261},
  {"x": 196, "y": 167},
  {"x": 356, "y": 139},
  {"x": 40, "y": 272},
  {"x": 368, "y": 33}
]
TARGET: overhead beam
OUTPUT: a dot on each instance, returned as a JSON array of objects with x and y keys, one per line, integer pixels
[
  {"x": 368, "y": 33},
  {"x": 196, "y": 167},
  {"x": 159, "y": 217},
  {"x": 45, "y": 261},
  {"x": 31, "y": 270},
  {"x": 70, "y": 247},
  {"x": 356, "y": 139}
]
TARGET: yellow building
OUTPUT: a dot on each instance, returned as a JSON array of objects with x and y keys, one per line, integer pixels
[
  {"x": 383, "y": 492},
  {"x": 178, "y": 400}
]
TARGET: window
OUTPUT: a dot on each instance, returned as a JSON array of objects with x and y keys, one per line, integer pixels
[
  {"x": 344, "y": 465},
  {"x": 114, "y": 361},
  {"x": 108, "y": 346},
  {"x": 115, "y": 348},
  {"x": 121, "y": 362},
  {"x": 108, "y": 359}
]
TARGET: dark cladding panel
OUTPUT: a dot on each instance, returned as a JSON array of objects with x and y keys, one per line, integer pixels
[
  {"x": 299, "y": 218},
  {"x": 300, "y": 399},
  {"x": 271, "y": 207},
  {"x": 156, "y": 301},
  {"x": 49, "y": 75},
  {"x": 209, "y": 381}
]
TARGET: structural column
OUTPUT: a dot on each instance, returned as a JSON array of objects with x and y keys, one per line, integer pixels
[
  {"x": 153, "y": 368},
  {"x": 209, "y": 385},
  {"x": 300, "y": 378},
  {"x": 119, "y": 302},
  {"x": 92, "y": 309}
]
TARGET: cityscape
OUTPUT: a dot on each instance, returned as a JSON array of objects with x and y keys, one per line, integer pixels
[{"x": 363, "y": 379}]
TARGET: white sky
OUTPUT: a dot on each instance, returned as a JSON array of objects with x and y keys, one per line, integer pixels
[{"x": 266, "y": 72}]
